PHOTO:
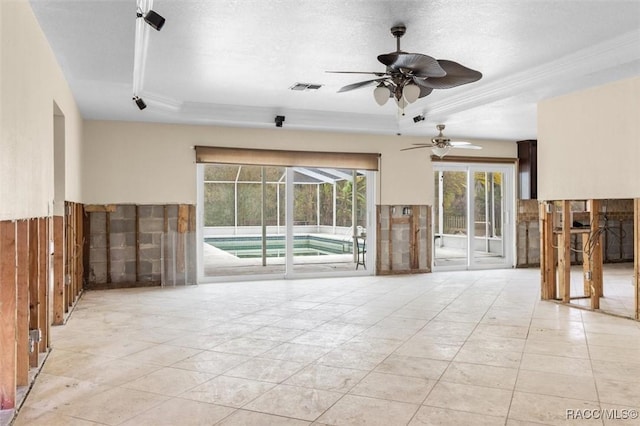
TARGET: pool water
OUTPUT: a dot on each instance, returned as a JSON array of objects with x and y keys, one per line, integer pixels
[{"x": 303, "y": 245}]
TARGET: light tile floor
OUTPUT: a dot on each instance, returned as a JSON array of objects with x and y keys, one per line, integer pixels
[{"x": 455, "y": 348}]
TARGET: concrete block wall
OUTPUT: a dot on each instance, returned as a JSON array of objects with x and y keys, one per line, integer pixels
[
  {"x": 122, "y": 250},
  {"x": 395, "y": 252},
  {"x": 130, "y": 244},
  {"x": 150, "y": 230}
]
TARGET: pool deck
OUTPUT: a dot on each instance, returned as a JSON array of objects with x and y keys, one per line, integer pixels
[{"x": 218, "y": 262}]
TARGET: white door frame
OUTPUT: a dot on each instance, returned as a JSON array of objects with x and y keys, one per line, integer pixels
[{"x": 508, "y": 213}]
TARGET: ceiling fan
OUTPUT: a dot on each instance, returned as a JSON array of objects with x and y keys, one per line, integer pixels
[
  {"x": 440, "y": 145},
  {"x": 409, "y": 76}
]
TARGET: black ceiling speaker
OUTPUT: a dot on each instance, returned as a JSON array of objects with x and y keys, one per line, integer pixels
[
  {"x": 139, "y": 102},
  {"x": 154, "y": 19},
  {"x": 279, "y": 120}
]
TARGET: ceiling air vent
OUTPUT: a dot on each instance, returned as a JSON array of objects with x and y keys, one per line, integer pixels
[{"x": 305, "y": 86}]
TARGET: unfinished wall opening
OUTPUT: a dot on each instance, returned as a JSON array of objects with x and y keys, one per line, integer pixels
[{"x": 589, "y": 254}]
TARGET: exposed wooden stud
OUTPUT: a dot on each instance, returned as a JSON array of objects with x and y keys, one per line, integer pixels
[
  {"x": 58, "y": 271},
  {"x": 69, "y": 263},
  {"x": 86, "y": 228},
  {"x": 182, "y": 227},
  {"x": 587, "y": 273},
  {"x": 8, "y": 298},
  {"x": 636, "y": 257},
  {"x": 597, "y": 274},
  {"x": 80, "y": 235},
  {"x": 45, "y": 232},
  {"x": 35, "y": 303},
  {"x": 22, "y": 330},
  {"x": 544, "y": 284},
  {"x": 183, "y": 218},
  {"x": 94, "y": 208},
  {"x": 564, "y": 254},
  {"x": 547, "y": 251}
]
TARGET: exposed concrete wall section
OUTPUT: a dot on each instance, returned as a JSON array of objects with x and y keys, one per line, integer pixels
[{"x": 140, "y": 244}]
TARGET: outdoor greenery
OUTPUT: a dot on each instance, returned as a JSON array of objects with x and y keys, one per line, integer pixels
[
  {"x": 222, "y": 182},
  {"x": 454, "y": 202}
]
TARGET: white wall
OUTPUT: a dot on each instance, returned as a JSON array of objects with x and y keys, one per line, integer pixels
[
  {"x": 148, "y": 163},
  {"x": 589, "y": 143},
  {"x": 30, "y": 82}
]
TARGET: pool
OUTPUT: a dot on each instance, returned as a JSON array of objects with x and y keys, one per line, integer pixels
[{"x": 303, "y": 245}]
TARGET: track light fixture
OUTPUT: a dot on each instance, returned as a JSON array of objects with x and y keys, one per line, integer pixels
[
  {"x": 279, "y": 120},
  {"x": 418, "y": 118},
  {"x": 139, "y": 102},
  {"x": 155, "y": 20}
]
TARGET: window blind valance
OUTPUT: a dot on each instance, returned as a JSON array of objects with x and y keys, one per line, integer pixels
[{"x": 282, "y": 158}]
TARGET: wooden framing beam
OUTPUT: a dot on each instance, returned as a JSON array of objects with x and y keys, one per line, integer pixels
[
  {"x": 8, "y": 299},
  {"x": 35, "y": 303},
  {"x": 564, "y": 254},
  {"x": 44, "y": 296},
  {"x": 597, "y": 273},
  {"x": 91, "y": 208},
  {"x": 547, "y": 252},
  {"x": 80, "y": 236},
  {"x": 22, "y": 330},
  {"x": 58, "y": 271}
]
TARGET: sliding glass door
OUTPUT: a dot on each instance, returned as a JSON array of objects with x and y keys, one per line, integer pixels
[
  {"x": 472, "y": 216},
  {"x": 261, "y": 220}
]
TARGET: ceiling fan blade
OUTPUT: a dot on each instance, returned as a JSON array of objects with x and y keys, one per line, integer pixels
[
  {"x": 379, "y": 74},
  {"x": 416, "y": 147},
  {"x": 360, "y": 84},
  {"x": 456, "y": 75},
  {"x": 459, "y": 143},
  {"x": 418, "y": 64},
  {"x": 465, "y": 146}
]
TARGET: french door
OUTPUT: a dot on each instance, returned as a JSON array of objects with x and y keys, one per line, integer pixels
[{"x": 473, "y": 216}]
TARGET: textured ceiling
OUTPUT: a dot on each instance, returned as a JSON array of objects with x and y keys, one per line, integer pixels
[{"x": 233, "y": 62}]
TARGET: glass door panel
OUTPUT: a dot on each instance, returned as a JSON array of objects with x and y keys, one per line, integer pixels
[
  {"x": 325, "y": 222},
  {"x": 483, "y": 193},
  {"x": 451, "y": 233},
  {"x": 243, "y": 220},
  {"x": 488, "y": 242}
]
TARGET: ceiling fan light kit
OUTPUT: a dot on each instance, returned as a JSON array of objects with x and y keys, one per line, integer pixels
[
  {"x": 410, "y": 76},
  {"x": 441, "y": 145}
]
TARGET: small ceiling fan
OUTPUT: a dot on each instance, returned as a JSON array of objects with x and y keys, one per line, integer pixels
[
  {"x": 409, "y": 76},
  {"x": 440, "y": 145}
]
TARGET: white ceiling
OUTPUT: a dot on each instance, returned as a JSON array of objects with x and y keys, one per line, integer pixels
[{"x": 232, "y": 62}]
